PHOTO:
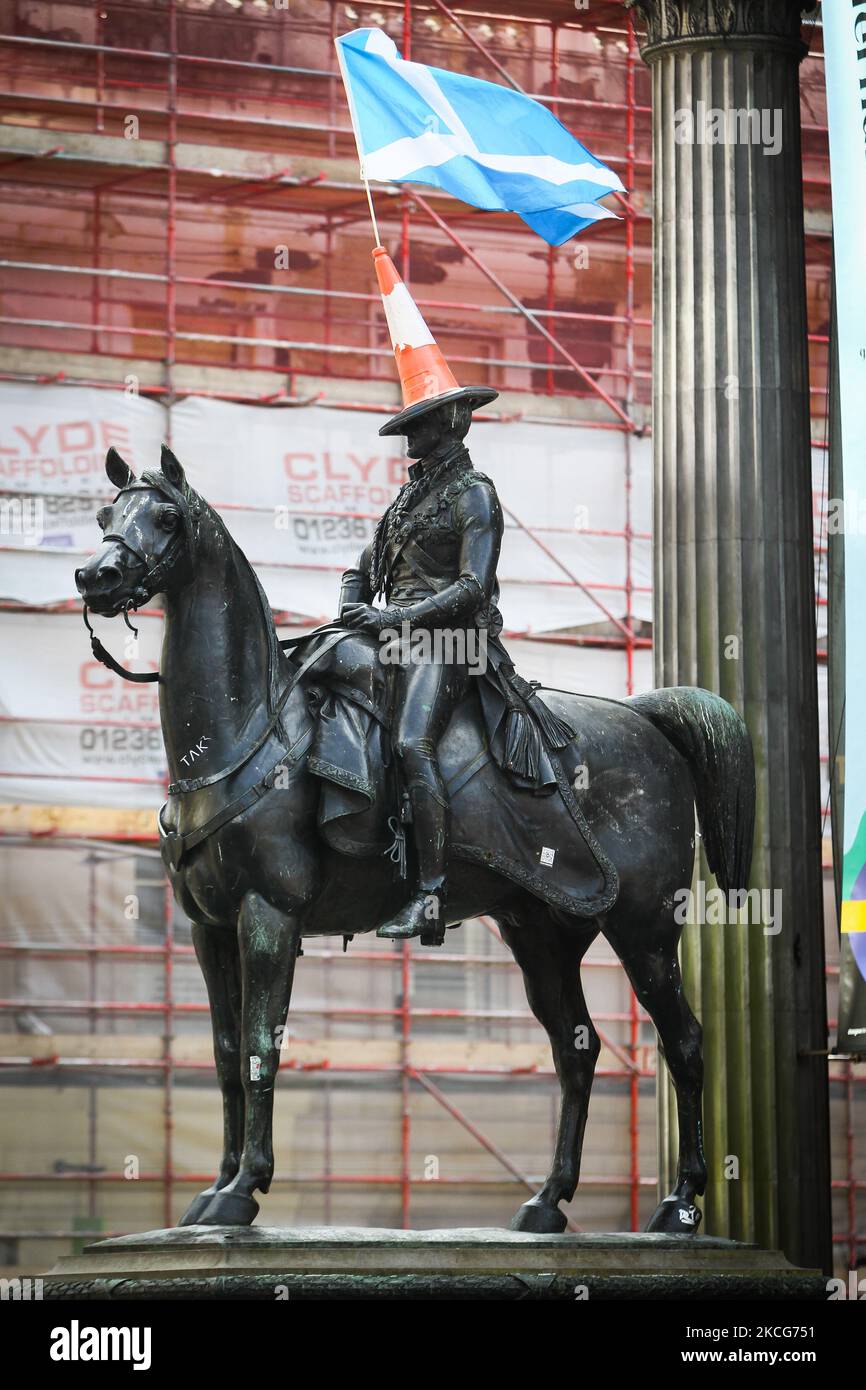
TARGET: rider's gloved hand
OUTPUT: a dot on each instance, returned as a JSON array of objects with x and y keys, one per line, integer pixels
[{"x": 363, "y": 617}]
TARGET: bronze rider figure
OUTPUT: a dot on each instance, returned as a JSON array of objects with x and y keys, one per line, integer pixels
[{"x": 433, "y": 557}]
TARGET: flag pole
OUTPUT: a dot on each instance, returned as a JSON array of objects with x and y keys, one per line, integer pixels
[
  {"x": 372, "y": 211},
  {"x": 356, "y": 131}
]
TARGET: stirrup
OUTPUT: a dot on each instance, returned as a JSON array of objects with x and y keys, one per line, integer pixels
[
  {"x": 433, "y": 936},
  {"x": 433, "y": 930}
]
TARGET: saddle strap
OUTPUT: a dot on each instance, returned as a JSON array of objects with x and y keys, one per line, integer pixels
[
  {"x": 357, "y": 697},
  {"x": 335, "y": 626},
  {"x": 194, "y": 784},
  {"x": 175, "y": 846},
  {"x": 465, "y": 774}
]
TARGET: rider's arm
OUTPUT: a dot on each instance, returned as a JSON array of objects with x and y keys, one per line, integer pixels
[
  {"x": 355, "y": 587},
  {"x": 478, "y": 518}
]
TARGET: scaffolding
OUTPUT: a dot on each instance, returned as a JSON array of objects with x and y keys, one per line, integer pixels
[{"x": 162, "y": 179}]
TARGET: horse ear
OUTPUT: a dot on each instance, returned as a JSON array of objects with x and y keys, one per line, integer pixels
[
  {"x": 118, "y": 470},
  {"x": 171, "y": 468}
]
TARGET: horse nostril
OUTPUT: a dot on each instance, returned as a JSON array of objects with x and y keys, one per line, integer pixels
[
  {"x": 108, "y": 576},
  {"x": 100, "y": 579}
]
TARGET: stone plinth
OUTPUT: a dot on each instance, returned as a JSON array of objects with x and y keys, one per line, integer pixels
[{"x": 207, "y": 1262}]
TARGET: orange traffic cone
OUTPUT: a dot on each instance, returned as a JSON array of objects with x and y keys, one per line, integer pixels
[{"x": 425, "y": 377}]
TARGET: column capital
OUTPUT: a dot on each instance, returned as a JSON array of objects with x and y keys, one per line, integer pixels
[{"x": 678, "y": 24}]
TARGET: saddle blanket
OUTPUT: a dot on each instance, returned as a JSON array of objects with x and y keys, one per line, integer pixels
[{"x": 536, "y": 837}]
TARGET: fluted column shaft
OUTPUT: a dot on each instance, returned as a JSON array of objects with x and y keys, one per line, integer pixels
[{"x": 734, "y": 579}]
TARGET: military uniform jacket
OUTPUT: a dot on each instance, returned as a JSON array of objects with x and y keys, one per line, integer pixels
[{"x": 435, "y": 550}]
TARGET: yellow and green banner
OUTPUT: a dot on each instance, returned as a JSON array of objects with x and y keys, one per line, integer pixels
[{"x": 844, "y": 25}]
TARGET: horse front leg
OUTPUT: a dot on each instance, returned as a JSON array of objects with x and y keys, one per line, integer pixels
[
  {"x": 217, "y": 951},
  {"x": 268, "y": 941}
]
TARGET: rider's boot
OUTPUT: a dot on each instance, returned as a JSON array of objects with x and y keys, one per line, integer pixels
[{"x": 424, "y": 913}]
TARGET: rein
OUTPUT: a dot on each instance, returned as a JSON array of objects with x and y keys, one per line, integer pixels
[
  {"x": 192, "y": 784},
  {"x": 105, "y": 657}
]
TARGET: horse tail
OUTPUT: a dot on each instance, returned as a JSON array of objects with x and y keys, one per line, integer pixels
[{"x": 714, "y": 740}]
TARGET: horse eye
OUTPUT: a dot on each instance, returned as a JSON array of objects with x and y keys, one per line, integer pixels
[
  {"x": 102, "y": 517},
  {"x": 168, "y": 519}
]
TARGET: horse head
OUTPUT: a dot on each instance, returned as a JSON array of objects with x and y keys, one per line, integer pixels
[{"x": 148, "y": 535}]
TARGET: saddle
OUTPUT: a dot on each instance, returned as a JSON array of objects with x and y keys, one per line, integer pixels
[{"x": 531, "y": 830}]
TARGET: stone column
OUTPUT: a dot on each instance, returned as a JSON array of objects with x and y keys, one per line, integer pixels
[{"x": 734, "y": 579}]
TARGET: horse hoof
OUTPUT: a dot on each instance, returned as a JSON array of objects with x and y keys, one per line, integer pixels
[
  {"x": 540, "y": 1218},
  {"x": 673, "y": 1216},
  {"x": 229, "y": 1209},
  {"x": 194, "y": 1212}
]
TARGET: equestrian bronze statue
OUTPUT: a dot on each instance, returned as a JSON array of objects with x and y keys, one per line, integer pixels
[
  {"x": 251, "y": 847},
  {"x": 344, "y": 788}
]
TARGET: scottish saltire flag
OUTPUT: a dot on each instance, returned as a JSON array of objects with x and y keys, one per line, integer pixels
[{"x": 487, "y": 145}]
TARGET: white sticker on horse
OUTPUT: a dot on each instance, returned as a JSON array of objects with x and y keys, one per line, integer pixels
[
  {"x": 547, "y": 855},
  {"x": 255, "y": 1069}
]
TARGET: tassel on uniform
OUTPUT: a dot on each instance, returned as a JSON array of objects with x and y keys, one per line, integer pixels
[
  {"x": 522, "y": 749},
  {"x": 558, "y": 732}
]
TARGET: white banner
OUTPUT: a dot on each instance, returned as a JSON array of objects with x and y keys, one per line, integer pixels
[
  {"x": 53, "y": 439},
  {"x": 301, "y": 491},
  {"x": 74, "y": 734}
]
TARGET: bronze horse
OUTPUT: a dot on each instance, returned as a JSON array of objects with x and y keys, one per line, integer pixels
[{"x": 259, "y": 879}]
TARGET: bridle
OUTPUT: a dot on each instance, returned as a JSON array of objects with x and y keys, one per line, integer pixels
[{"x": 152, "y": 581}]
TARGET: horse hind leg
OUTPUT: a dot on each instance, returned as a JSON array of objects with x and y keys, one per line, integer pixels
[
  {"x": 549, "y": 955},
  {"x": 657, "y": 982}
]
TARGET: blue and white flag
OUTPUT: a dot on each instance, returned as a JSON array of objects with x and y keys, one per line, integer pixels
[{"x": 487, "y": 145}]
